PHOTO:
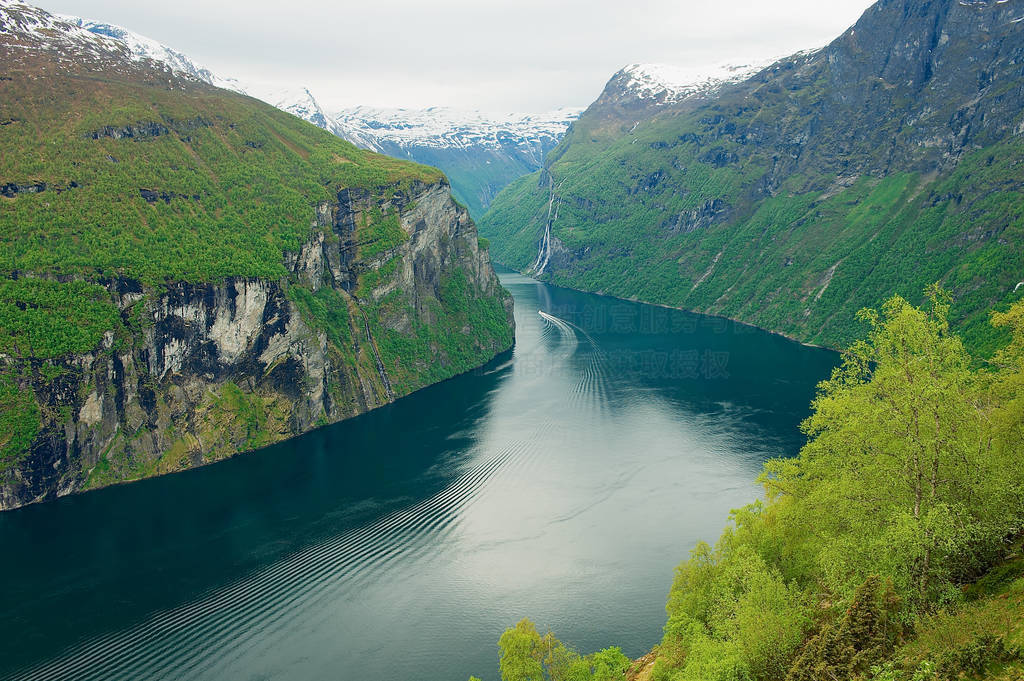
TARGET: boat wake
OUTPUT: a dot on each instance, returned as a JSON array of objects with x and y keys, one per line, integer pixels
[
  {"x": 203, "y": 638},
  {"x": 592, "y": 387}
]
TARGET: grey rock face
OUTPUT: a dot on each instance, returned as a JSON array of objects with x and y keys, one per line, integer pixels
[
  {"x": 214, "y": 369},
  {"x": 907, "y": 87}
]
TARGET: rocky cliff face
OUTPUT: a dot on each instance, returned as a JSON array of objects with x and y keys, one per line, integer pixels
[
  {"x": 209, "y": 370},
  {"x": 187, "y": 273},
  {"x": 913, "y": 85},
  {"x": 797, "y": 196}
]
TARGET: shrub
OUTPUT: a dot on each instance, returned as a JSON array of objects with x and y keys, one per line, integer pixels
[{"x": 865, "y": 635}]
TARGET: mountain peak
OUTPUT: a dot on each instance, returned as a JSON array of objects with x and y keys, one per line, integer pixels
[
  {"x": 141, "y": 48},
  {"x": 298, "y": 101},
  {"x": 669, "y": 84},
  {"x": 28, "y": 27}
]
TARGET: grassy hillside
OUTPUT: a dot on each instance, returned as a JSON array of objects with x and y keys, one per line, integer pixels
[
  {"x": 214, "y": 184},
  {"x": 825, "y": 183},
  {"x": 799, "y": 261},
  {"x": 158, "y": 185}
]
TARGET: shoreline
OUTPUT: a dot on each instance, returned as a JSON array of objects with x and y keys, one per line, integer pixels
[{"x": 678, "y": 309}]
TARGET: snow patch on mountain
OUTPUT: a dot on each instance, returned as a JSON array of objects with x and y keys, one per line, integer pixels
[
  {"x": 670, "y": 83},
  {"x": 444, "y": 127},
  {"x": 296, "y": 101},
  {"x": 140, "y": 48},
  {"x": 36, "y": 28}
]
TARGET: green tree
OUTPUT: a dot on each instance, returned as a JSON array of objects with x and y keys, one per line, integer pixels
[
  {"x": 731, "y": 616},
  {"x": 521, "y": 653},
  {"x": 563, "y": 664},
  {"x": 609, "y": 664},
  {"x": 528, "y": 656},
  {"x": 1008, "y": 390},
  {"x": 900, "y": 474},
  {"x": 865, "y": 635}
]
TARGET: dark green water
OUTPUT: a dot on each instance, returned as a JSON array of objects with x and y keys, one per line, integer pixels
[{"x": 563, "y": 482}]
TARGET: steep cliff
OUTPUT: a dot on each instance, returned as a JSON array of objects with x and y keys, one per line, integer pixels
[
  {"x": 188, "y": 273},
  {"x": 826, "y": 182}
]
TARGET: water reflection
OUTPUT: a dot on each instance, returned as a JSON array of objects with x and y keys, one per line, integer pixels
[{"x": 563, "y": 482}]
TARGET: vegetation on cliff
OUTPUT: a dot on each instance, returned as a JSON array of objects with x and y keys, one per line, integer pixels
[
  {"x": 799, "y": 262},
  {"x": 135, "y": 203},
  {"x": 159, "y": 184},
  {"x": 890, "y": 548},
  {"x": 827, "y": 182}
]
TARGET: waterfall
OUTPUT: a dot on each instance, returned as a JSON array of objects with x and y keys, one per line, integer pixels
[{"x": 544, "y": 252}]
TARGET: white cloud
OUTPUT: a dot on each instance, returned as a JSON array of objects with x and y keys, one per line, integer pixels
[{"x": 489, "y": 54}]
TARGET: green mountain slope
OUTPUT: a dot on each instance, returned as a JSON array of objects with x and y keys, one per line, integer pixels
[
  {"x": 477, "y": 175},
  {"x": 480, "y": 156},
  {"x": 823, "y": 184},
  {"x": 186, "y": 273}
]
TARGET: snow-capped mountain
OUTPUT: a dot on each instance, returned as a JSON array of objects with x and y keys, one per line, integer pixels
[
  {"x": 640, "y": 86},
  {"x": 297, "y": 101},
  {"x": 371, "y": 128},
  {"x": 479, "y": 152},
  {"x": 142, "y": 47},
  {"x": 668, "y": 84},
  {"x": 442, "y": 127},
  {"x": 35, "y": 29}
]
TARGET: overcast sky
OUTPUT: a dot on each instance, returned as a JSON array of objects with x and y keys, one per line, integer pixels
[{"x": 497, "y": 55}]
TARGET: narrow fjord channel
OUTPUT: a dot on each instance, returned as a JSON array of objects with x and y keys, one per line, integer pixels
[{"x": 563, "y": 482}]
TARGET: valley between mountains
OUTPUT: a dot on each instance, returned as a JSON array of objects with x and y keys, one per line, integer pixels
[{"x": 291, "y": 390}]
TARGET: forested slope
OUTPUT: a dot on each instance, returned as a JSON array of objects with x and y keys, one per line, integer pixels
[{"x": 888, "y": 160}]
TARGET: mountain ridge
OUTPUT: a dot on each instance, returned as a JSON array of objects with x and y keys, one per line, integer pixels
[
  {"x": 465, "y": 144},
  {"x": 796, "y": 188}
]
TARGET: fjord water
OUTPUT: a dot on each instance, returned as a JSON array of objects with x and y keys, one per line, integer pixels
[{"x": 562, "y": 482}]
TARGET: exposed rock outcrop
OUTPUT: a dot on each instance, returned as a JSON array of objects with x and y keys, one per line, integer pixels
[{"x": 204, "y": 371}]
